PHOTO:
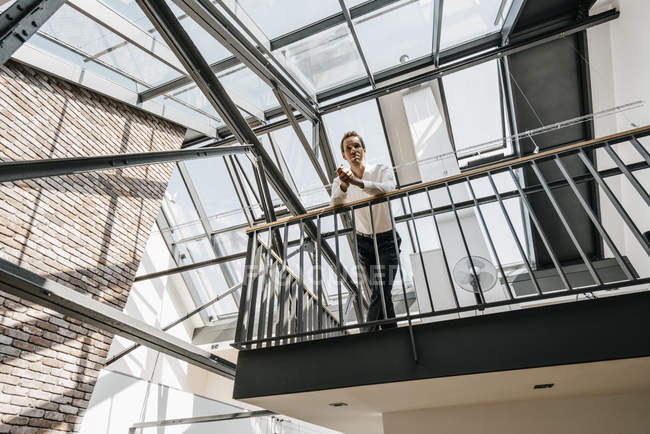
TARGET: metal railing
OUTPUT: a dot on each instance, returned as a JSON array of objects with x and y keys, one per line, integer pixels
[{"x": 466, "y": 216}]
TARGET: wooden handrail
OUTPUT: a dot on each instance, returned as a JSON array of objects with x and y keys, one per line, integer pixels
[{"x": 453, "y": 177}]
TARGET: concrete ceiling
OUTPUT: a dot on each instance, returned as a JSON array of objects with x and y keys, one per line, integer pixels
[{"x": 363, "y": 414}]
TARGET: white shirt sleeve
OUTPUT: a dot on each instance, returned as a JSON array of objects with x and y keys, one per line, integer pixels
[
  {"x": 338, "y": 196},
  {"x": 385, "y": 182}
]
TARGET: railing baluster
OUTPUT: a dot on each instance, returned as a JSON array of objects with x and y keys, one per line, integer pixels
[
  {"x": 248, "y": 275},
  {"x": 338, "y": 268},
  {"x": 442, "y": 249},
  {"x": 417, "y": 240},
  {"x": 253, "y": 300},
  {"x": 514, "y": 234},
  {"x": 489, "y": 237},
  {"x": 319, "y": 276},
  {"x": 275, "y": 273},
  {"x": 357, "y": 264},
  {"x": 401, "y": 275},
  {"x": 635, "y": 182},
  {"x": 377, "y": 263},
  {"x": 540, "y": 231},
  {"x": 266, "y": 289},
  {"x": 283, "y": 281},
  {"x": 640, "y": 149},
  {"x": 301, "y": 280},
  {"x": 480, "y": 297},
  {"x": 608, "y": 192},
  {"x": 565, "y": 223},
  {"x": 594, "y": 219}
]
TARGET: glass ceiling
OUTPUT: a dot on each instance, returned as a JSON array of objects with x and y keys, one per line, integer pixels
[{"x": 226, "y": 189}]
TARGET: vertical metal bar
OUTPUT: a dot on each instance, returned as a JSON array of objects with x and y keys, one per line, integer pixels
[
  {"x": 248, "y": 273},
  {"x": 630, "y": 177},
  {"x": 377, "y": 262},
  {"x": 301, "y": 275},
  {"x": 283, "y": 279},
  {"x": 252, "y": 303},
  {"x": 417, "y": 239},
  {"x": 480, "y": 297},
  {"x": 594, "y": 219},
  {"x": 565, "y": 223},
  {"x": 640, "y": 149},
  {"x": 338, "y": 268},
  {"x": 489, "y": 237},
  {"x": 318, "y": 273},
  {"x": 401, "y": 275},
  {"x": 514, "y": 234},
  {"x": 273, "y": 283},
  {"x": 608, "y": 192},
  {"x": 437, "y": 31},
  {"x": 442, "y": 249},
  {"x": 266, "y": 289},
  {"x": 357, "y": 258},
  {"x": 540, "y": 230}
]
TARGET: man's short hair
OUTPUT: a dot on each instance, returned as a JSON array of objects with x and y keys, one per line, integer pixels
[{"x": 351, "y": 134}]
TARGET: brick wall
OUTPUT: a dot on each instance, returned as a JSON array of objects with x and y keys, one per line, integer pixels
[{"x": 85, "y": 231}]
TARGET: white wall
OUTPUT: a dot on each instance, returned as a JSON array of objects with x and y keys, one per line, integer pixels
[
  {"x": 604, "y": 414},
  {"x": 620, "y": 67}
]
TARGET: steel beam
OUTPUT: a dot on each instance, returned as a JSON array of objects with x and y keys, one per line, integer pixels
[
  {"x": 27, "y": 285},
  {"x": 21, "y": 20},
  {"x": 511, "y": 19},
  {"x": 200, "y": 419},
  {"x": 176, "y": 322},
  {"x": 216, "y": 67},
  {"x": 30, "y": 169},
  {"x": 437, "y": 31},
  {"x": 124, "y": 28},
  {"x": 163, "y": 18},
  {"x": 355, "y": 37},
  {"x": 196, "y": 265},
  {"x": 212, "y": 20},
  {"x": 446, "y": 59},
  {"x": 301, "y": 137}
]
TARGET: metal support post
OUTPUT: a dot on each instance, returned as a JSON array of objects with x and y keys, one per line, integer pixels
[
  {"x": 25, "y": 284},
  {"x": 31, "y": 169},
  {"x": 21, "y": 20}
]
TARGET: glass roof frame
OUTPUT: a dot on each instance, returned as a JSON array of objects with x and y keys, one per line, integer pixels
[{"x": 246, "y": 193}]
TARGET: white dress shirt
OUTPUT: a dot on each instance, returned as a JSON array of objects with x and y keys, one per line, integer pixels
[{"x": 377, "y": 179}]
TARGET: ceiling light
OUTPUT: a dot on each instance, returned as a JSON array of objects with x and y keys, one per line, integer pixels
[
  {"x": 338, "y": 404},
  {"x": 404, "y": 58}
]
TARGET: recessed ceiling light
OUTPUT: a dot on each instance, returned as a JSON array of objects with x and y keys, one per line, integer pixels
[
  {"x": 338, "y": 404},
  {"x": 404, "y": 58},
  {"x": 543, "y": 386}
]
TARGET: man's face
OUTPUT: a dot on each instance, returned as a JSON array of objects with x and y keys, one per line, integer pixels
[{"x": 353, "y": 151}]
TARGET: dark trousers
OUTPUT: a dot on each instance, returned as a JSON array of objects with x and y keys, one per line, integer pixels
[{"x": 387, "y": 269}]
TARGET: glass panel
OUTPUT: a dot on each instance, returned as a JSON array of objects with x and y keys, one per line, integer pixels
[
  {"x": 310, "y": 186},
  {"x": 179, "y": 209},
  {"x": 386, "y": 40},
  {"x": 278, "y": 17},
  {"x": 75, "y": 29},
  {"x": 130, "y": 10},
  {"x": 193, "y": 96},
  {"x": 463, "y": 20},
  {"x": 220, "y": 204},
  {"x": 246, "y": 83},
  {"x": 140, "y": 64},
  {"x": 324, "y": 60},
  {"x": 473, "y": 102}
]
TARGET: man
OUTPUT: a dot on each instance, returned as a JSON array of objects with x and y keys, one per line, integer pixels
[{"x": 362, "y": 181}]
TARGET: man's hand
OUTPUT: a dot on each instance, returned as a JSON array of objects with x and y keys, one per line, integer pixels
[{"x": 347, "y": 177}]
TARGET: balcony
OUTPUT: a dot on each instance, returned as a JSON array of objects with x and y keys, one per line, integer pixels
[{"x": 516, "y": 266}]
